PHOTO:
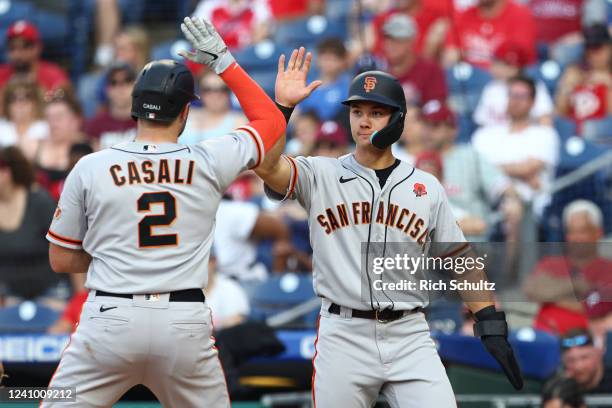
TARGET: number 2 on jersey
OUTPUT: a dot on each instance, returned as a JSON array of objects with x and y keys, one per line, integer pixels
[{"x": 146, "y": 238}]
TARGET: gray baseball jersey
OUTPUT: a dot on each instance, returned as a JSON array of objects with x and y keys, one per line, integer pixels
[
  {"x": 346, "y": 207},
  {"x": 145, "y": 212}
]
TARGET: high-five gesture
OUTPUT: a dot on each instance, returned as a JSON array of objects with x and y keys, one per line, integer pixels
[
  {"x": 210, "y": 49},
  {"x": 290, "y": 88}
]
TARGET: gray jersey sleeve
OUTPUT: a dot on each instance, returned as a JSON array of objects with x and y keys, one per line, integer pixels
[
  {"x": 447, "y": 237},
  {"x": 233, "y": 153},
  {"x": 69, "y": 223},
  {"x": 302, "y": 181}
]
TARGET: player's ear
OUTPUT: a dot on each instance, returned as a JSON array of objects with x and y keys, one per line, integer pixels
[{"x": 185, "y": 112}]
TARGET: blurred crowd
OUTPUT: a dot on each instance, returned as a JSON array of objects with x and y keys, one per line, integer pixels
[{"x": 500, "y": 94}]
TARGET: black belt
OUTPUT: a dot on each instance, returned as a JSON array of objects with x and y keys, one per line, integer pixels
[
  {"x": 185, "y": 295},
  {"x": 383, "y": 316}
]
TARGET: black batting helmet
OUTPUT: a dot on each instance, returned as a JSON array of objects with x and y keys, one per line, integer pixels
[
  {"x": 162, "y": 90},
  {"x": 385, "y": 89}
]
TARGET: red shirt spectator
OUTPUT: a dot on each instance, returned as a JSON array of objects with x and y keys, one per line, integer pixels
[
  {"x": 423, "y": 80},
  {"x": 481, "y": 29},
  {"x": 24, "y": 50},
  {"x": 239, "y": 22},
  {"x": 556, "y": 18},
  {"x": 283, "y": 9},
  {"x": 424, "y": 13},
  {"x": 72, "y": 312}
]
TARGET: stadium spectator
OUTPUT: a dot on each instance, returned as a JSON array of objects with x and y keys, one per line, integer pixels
[
  {"x": 239, "y": 228},
  {"x": 474, "y": 186},
  {"x": 114, "y": 124},
  {"x": 598, "y": 308},
  {"x": 422, "y": 79},
  {"x": 583, "y": 362},
  {"x": 226, "y": 298},
  {"x": 26, "y": 215},
  {"x": 332, "y": 65},
  {"x": 304, "y": 133},
  {"x": 526, "y": 152},
  {"x": 24, "y": 59},
  {"x": 22, "y": 106},
  {"x": 560, "y": 283},
  {"x": 240, "y": 22},
  {"x": 63, "y": 114},
  {"x": 432, "y": 23},
  {"x": 71, "y": 314},
  {"x": 479, "y": 30},
  {"x": 562, "y": 392},
  {"x": 131, "y": 46},
  {"x": 585, "y": 91},
  {"x": 288, "y": 10},
  {"x": 492, "y": 108},
  {"x": 108, "y": 20},
  {"x": 412, "y": 141},
  {"x": 559, "y": 22},
  {"x": 215, "y": 117},
  {"x": 332, "y": 140}
]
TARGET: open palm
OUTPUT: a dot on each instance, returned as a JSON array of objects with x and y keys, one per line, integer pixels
[{"x": 291, "y": 88}]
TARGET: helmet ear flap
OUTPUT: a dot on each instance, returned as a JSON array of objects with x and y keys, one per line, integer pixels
[{"x": 391, "y": 133}]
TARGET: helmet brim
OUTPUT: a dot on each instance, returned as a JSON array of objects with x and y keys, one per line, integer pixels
[{"x": 372, "y": 98}]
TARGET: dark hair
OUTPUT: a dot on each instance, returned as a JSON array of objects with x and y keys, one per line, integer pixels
[
  {"x": 22, "y": 171},
  {"x": 82, "y": 149},
  {"x": 565, "y": 389},
  {"x": 30, "y": 88},
  {"x": 332, "y": 45},
  {"x": 527, "y": 81}
]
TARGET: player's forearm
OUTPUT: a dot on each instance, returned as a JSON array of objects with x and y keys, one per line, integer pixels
[
  {"x": 475, "y": 277},
  {"x": 277, "y": 175},
  {"x": 262, "y": 112},
  {"x": 64, "y": 260}
]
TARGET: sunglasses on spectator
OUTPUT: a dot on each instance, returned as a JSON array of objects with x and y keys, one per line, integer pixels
[
  {"x": 576, "y": 341},
  {"x": 22, "y": 45},
  {"x": 215, "y": 89}
]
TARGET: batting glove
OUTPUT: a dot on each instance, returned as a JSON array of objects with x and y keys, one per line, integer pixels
[
  {"x": 210, "y": 49},
  {"x": 492, "y": 329}
]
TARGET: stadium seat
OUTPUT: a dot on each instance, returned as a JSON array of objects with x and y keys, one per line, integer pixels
[
  {"x": 258, "y": 57},
  {"x": 309, "y": 31},
  {"x": 169, "y": 50},
  {"x": 598, "y": 131},
  {"x": 280, "y": 293},
  {"x": 27, "y": 317},
  {"x": 547, "y": 72},
  {"x": 565, "y": 127},
  {"x": 467, "y": 127},
  {"x": 465, "y": 83}
]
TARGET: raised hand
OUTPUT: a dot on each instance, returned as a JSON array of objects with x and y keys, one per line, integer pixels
[
  {"x": 290, "y": 88},
  {"x": 210, "y": 49}
]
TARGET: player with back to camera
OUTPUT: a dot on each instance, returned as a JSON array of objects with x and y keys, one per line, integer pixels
[
  {"x": 138, "y": 218},
  {"x": 368, "y": 344}
]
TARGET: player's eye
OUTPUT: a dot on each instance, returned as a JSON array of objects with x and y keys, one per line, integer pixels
[
  {"x": 356, "y": 112},
  {"x": 377, "y": 114}
]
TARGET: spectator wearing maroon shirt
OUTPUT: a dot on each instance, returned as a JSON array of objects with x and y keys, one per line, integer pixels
[
  {"x": 479, "y": 30},
  {"x": 422, "y": 79},
  {"x": 24, "y": 51},
  {"x": 585, "y": 91},
  {"x": 114, "y": 124}
]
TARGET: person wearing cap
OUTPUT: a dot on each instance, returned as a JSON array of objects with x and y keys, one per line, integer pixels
[
  {"x": 585, "y": 90},
  {"x": 492, "y": 109},
  {"x": 562, "y": 392},
  {"x": 331, "y": 141},
  {"x": 473, "y": 184},
  {"x": 421, "y": 78},
  {"x": 25, "y": 47},
  {"x": 569, "y": 287},
  {"x": 583, "y": 361},
  {"x": 114, "y": 124},
  {"x": 481, "y": 28}
]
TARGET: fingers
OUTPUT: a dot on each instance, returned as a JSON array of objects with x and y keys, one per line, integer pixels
[
  {"x": 300, "y": 58},
  {"x": 313, "y": 85},
  {"x": 291, "y": 65},
  {"x": 193, "y": 30},
  {"x": 187, "y": 55},
  {"x": 281, "y": 63},
  {"x": 307, "y": 61},
  {"x": 188, "y": 35},
  {"x": 202, "y": 27}
]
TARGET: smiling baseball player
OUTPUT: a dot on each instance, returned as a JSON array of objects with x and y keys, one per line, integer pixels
[
  {"x": 367, "y": 343},
  {"x": 138, "y": 218}
]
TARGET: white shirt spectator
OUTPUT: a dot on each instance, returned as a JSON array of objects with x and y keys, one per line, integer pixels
[
  {"x": 226, "y": 299},
  {"x": 236, "y": 253},
  {"x": 38, "y": 131},
  {"x": 493, "y": 104},
  {"x": 501, "y": 147}
]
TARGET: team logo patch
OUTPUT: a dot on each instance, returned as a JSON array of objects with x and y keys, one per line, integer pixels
[
  {"x": 149, "y": 148},
  {"x": 57, "y": 213},
  {"x": 419, "y": 189},
  {"x": 369, "y": 83}
]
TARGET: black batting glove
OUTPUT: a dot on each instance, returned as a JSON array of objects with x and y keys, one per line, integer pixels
[{"x": 492, "y": 329}]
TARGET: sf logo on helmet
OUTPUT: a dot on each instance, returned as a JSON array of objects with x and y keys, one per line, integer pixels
[{"x": 369, "y": 83}]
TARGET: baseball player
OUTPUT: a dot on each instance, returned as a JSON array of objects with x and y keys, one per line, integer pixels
[
  {"x": 368, "y": 343},
  {"x": 138, "y": 218}
]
